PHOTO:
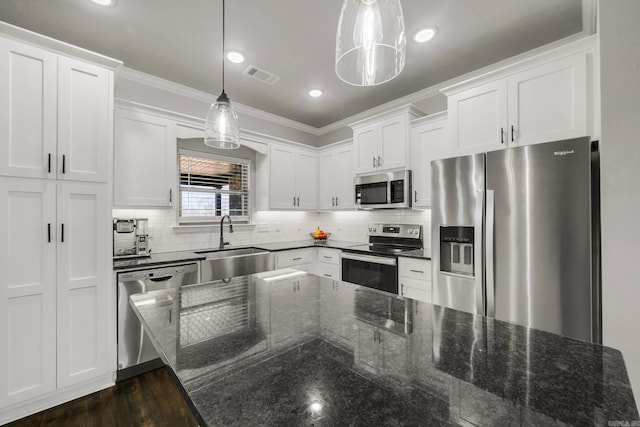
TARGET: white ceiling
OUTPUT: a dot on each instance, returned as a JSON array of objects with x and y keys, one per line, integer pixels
[{"x": 295, "y": 39}]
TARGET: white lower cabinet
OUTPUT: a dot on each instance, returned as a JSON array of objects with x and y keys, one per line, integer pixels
[
  {"x": 300, "y": 259},
  {"x": 294, "y": 313},
  {"x": 336, "y": 317},
  {"x": 414, "y": 278},
  {"x": 379, "y": 350},
  {"x": 328, "y": 263},
  {"x": 54, "y": 288}
]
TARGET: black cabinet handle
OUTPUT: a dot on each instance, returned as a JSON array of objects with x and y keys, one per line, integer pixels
[
  {"x": 512, "y": 134},
  {"x": 415, "y": 196},
  {"x": 417, "y": 271},
  {"x": 49, "y": 163},
  {"x": 64, "y": 158},
  {"x": 170, "y": 195},
  {"x": 62, "y": 233},
  {"x": 49, "y": 232},
  {"x": 336, "y": 200},
  {"x": 501, "y": 135}
]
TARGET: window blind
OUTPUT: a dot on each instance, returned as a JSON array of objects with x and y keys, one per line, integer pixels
[{"x": 212, "y": 187}]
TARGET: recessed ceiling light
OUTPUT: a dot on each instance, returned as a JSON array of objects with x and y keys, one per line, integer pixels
[
  {"x": 315, "y": 93},
  {"x": 424, "y": 35},
  {"x": 235, "y": 57},
  {"x": 103, "y": 2}
]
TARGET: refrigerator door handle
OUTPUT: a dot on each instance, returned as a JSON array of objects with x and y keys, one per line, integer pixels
[
  {"x": 489, "y": 254},
  {"x": 478, "y": 254}
]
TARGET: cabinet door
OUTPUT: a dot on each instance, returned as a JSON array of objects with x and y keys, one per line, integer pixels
[
  {"x": 366, "y": 350},
  {"x": 306, "y": 180},
  {"x": 282, "y": 177},
  {"x": 478, "y": 119},
  {"x": 345, "y": 172},
  {"x": 393, "y": 349},
  {"x": 365, "y": 140},
  {"x": 144, "y": 161},
  {"x": 428, "y": 142},
  {"x": 392, "y": 143},
  {"x": 282, "y": 313},
  {"x": 327, "y": 181},
  {"x": 28, "y": 97},
  {"x": 83, "y": 273},
  {"x": 549, "y": 102},
  {"x": 85, "y": 105},
  {"x": 27, "y": 289}
]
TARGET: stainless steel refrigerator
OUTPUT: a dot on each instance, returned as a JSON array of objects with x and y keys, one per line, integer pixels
[{"x": 516, "y": 236}]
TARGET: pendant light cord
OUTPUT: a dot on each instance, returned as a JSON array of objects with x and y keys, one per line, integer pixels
[{"x": 223, "y": 46}]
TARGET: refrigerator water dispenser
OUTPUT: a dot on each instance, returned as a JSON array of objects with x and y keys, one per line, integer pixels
[{"x": 456, "y": 250}]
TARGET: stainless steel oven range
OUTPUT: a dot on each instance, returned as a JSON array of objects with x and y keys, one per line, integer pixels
[{"x": 375, "y": 264}]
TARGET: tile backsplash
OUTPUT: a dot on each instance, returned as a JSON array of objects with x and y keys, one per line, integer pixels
[{"x": 281, "y": 226}]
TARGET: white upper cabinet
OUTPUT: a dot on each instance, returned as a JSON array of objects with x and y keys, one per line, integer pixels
[
  {"x": 292, "y": 180},
  {"x": 541, "y": 103},
  {"x": 145, "y": 160},
  {"x": 306, "y": 165},
  {"x": 382, "y": 143},
  {"x": 28, "y": 110},
  {"x": 85, "y": 109},
  {"x": 429, "y": 141},
  {"x": 478, "y": 118},
  {"x": 55, "y": 115},
  {"x": 549, "y": 102},
  {"x": 345, "y": 172},
  {"x": 335, "y": 181}
]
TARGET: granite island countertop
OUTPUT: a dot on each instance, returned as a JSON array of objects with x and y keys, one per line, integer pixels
[{"x": 290, "y": 348}]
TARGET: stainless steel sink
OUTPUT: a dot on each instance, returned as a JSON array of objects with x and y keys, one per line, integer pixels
[{"x": 227, "y": 263}]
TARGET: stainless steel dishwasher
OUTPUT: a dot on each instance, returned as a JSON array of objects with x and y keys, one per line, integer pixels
[{"x": 136, "y": 353}]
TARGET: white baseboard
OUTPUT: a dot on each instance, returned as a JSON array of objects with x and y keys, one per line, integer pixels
[{"x": 32, "y": 406}]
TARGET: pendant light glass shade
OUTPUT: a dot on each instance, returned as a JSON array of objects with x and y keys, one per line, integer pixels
[
  {"x": 371, "y": 42},
  {"x": 221, "y": 128}
]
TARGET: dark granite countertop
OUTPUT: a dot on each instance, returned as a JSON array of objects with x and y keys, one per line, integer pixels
[
  {"x": 180, "y": 256},
  {"x": 424, "y": 253},
  {"x": 156, "y": 259},
  {"x": 290, "y": 348}
]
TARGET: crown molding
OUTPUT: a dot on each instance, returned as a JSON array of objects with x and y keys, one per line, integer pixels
[
  {"x": 57, "y": 46},
  {"x": 182, "y": 90}
]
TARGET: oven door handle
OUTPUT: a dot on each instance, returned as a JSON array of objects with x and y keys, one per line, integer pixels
[{"x": 369, "y": 258}]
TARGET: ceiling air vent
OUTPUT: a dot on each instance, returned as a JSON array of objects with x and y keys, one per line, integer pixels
[{"x": 262, "y": 75}]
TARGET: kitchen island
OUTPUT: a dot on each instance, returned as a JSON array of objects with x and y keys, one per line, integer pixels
[{"x": 290, "y": 348}]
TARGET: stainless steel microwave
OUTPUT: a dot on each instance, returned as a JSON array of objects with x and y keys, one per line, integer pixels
[{"x": 383, "y": 190}]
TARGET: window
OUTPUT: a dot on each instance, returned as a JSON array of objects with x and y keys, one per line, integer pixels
[{"x": 212, "y": 186}]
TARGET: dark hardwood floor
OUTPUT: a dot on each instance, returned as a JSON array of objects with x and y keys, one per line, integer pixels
[{"x": 152, "y": 399}]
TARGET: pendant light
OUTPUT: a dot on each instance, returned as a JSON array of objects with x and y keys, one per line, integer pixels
[
  {"x": 371, "y": 42},
  {"x": 221, "y": 127}
]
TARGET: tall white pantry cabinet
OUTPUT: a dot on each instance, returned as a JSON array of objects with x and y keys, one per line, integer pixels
[{"x": 56, "y": 296}]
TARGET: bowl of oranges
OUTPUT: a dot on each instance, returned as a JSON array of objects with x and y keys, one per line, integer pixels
[{"x": 319, "y": 235}]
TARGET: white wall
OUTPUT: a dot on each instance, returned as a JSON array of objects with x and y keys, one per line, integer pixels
[
  {"x": 619, "y": 23},
  {"x": 283, "y": 226}
]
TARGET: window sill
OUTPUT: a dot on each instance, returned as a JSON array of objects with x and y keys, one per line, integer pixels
[{"x": 195, "y": 228}]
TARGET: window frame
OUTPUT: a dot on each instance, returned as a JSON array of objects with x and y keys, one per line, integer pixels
[{"x": 211, "y": 220}]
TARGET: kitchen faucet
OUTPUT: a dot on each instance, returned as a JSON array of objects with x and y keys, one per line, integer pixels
[{"x": 222, "y": 242}]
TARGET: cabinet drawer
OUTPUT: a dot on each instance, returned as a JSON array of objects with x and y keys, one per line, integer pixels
[
  {"x": 414, "y": 268},
  {"x": 329, "y": 271},
  {"x": 415, "y": 289},
  {"x": 329, "y": 256},
  {"x": 294, "y": 258}
]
